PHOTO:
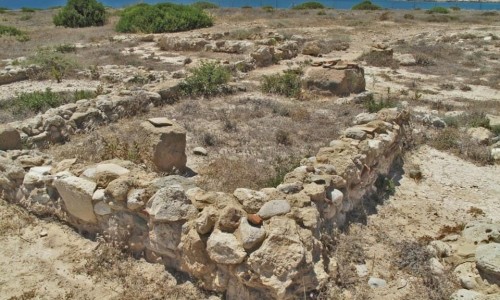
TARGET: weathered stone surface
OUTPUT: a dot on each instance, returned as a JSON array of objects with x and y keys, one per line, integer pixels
[
  {"x": 290, "y": 188},
  {"x": 276, "y": 261},
  {"x": 10, "y": 138},
  {"x": 224, "y": 248},
  {"x": 249, "y": 235},
  {"x": 102, "y": 209},
  {"x": 206, "y": 220},
  {"x": 374, "y": 282},
  {"x": 274, "y": 208},
  {"x": 334, "y": 82},
  {"x": 467, "y": 295},
  {"x": 201, "y": 198},
  {"x": 195, "y": 260},
  {"x": 312, "y": 48},
  {"x": 118, "y": 189},
  {"x": 479, "y": 232},
  {"x": 135, "y": 199},
  {"x": 230, "y": 218},
  {"x": 251, "y": 200},
  {"x": 170, "y": 204},
  {"x": 200, "y": 151},
  {"x": 316, "y": 192},
  {"x": 480, "y": 135},
  {"x": 263, "y": 56},
  {"x": 169, "y": 145},
  {"x": 103, "y": 174},
  {"x": 77, "y": 196},
  {"x": 488, "y": 262}
]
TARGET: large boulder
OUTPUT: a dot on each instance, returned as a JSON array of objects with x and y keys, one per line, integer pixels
[
  {"x": 276, "y": 262},
  {"x": 10, "y": 139},
  {"x": 168, "y": 141},
  {"x": 225, "y": 248},
  {"x": 77, "y": 194},
  {"x": 488, "y": 262},
  {"x": 338, "y": 82}
]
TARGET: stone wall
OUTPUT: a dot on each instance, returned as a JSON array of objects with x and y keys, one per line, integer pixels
[{"x": 251, "y": 244}]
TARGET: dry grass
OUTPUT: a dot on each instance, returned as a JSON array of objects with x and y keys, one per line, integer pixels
[
  {"x": 13, "y": 218},
  {"x": 107, "y": 263}
]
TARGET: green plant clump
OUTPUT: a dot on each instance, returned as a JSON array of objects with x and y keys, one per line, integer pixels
[
  {"x": 162, "y": 17},
  {"x": 50, "y": 64},
  {"x": 374, "y": 106},
  {"x": 12, "y": 31},
  {"x": 209, "y": 79},
  {"x": 309, "y": 5},
  {"x": 267, "y": 8},
  {"x": 37, "y": 101},
  {"x": 81, "y": 13},
  {"x": 29, "y": 9},
  {"x": 3, "y": 10},
  {"x": 286, "y": 84},
  {"x": 366, "y": 5},
  {"x": 205, "y": 5},
  {"x": 439, "y": 10}
]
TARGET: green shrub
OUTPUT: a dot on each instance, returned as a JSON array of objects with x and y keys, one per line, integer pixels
[
  {"x": 28, "y": 9},
  {"x": 12, "y": 31},
  {"x": 246, "y": 7},
  {"x": 446, "y": 139},
  {"x": 267, "y": 8},
  {"x": 366, "y": 5},
  {"x": 66, "y": 48},
  {"x": 162, "y": 17},
  {"x": 309, "y": 5},
  {"x": 374, "y": 106},
  {"x": 474, "y": 119},
  {"x": 50, "y": 64},
  {"x": 205, "y": 5},
  {"x": 37, "y": 101},
  {"x": 25, "y": 17},
  {"x": 438, "y": 10},
  {"x": 3, "y": 10},
  {"x": 286, "y": 84},
  {"x": 81, "y": 13},
  {"x": 209, "y": 79}
]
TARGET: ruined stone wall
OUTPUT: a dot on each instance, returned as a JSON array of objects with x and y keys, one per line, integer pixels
[{"x": 252, "y": 244}]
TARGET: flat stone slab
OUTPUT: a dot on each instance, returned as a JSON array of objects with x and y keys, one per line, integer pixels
[
  {"x": 161, "y": 122},
  {"x": 274, "y": 208}
]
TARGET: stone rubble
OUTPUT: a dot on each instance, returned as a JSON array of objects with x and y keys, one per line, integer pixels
[{"x": 247, "y": 243}]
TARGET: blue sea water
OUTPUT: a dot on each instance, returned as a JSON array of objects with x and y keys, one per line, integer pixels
[{"x": 338, "y": 4}]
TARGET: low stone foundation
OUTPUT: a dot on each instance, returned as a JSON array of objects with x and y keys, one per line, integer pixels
[{"x": 251, "y": 244}]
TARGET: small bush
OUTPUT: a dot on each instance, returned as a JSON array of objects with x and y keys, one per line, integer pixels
[
  {"x": 474, "y": 119},
  {"x": 207, "y": 80},
  {"x": 379, "y": 59},
  {"x": 446, "y": 139},
  {"x": 81, "y": 13},
  {"x": 455, "y": 8},
  {"x": 162, "y": 17},
  {"x": 50, "y": 64},
  {"x": 309, "y": 5},
  {"x": 286, "y": 84},
  {"x": 12, "y": 31},
  {"x": 37, "y": 101},
  {"x": 28, "y": 9},
  {"x": 66, "y": 48},
  {"x": 366, "y": 5},
  {"x": 205, "y": 5},
  {"x": 267, "y": 8},
  {"x": 438, "y": 10},
  {"x": 373, "y": 105},
  {"x": 3, "y": 10}
]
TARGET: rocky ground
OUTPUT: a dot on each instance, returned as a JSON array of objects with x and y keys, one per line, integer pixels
[{"x": 419, "y": 239}]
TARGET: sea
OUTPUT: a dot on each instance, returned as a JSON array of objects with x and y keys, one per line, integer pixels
[{"x": 337, "y": 4}]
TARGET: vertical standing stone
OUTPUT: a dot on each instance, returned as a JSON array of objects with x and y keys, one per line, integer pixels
[{"x": 168, "y": 141}]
